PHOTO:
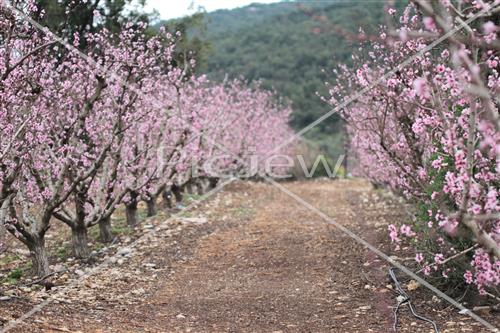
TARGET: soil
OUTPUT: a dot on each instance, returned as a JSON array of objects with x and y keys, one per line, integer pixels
[{"x": 249, "y": 259}]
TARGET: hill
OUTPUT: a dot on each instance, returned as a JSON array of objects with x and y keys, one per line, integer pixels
[{"x": 292, "y": 48}]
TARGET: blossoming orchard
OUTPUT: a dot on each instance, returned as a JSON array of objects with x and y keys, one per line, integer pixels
[
  {"x": 117, "y": 119},
  {"x": 85, "y": 130},
  {"x": 430, "y": 131}
]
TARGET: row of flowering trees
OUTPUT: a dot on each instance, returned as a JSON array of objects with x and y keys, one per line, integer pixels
[
  {"x": 85, "y": 129},
  {"x": 429, "y": 129}
]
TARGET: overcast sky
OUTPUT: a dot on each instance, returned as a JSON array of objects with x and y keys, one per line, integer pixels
[{"x": 177, "y": 8}]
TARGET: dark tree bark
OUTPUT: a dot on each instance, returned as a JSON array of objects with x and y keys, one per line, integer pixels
[
  {"x": 131, "y": 213},
  {"x": 167, "y": 199},
  {"x": 131, "y": 210},
  {"x": 190, "y": 187},
  {"x": 79, "y": 231},
  {"x": 177, "y": 191},
  {"x": 152, "y": 209},
  {"x": 199, "y": 187},
  {"x": 2, "y": 237},
  {"x": 212, "y": 181},
  {"x": 39, "y": 257},
  {"x": 105, "y": 233},
  {"x": 80, "y": 242}
]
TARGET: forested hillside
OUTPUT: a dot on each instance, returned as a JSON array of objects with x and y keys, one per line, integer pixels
[{"x": 290, "y": 47}]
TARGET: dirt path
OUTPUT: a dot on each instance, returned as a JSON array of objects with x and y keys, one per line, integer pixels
[{"x": 251, "y": 260}]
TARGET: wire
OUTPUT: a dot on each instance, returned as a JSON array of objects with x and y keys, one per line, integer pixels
[{"x": 406, "y": 300}]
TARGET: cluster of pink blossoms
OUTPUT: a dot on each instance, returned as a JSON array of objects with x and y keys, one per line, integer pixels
[
  {"x": 429, "y": 130},
  {"x": 85, "y": 129}
]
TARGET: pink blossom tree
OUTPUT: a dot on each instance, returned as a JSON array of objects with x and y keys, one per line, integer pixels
[
  {"x": 430, "y": 131},
  {"x": 85, "y": 130},
  {"x": 28, "y": 71},
  {"x": 131, "y": 60}
]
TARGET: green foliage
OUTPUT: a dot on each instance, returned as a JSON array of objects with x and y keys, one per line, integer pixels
[
  {"x": 193, "y": 44},
  {"x": 67, "y": 17},
  {"x": 7, "y": 259},
  {"x": 287, "y": 46},
  {"x": 121, "y": 229},
  {"x": 13, "y": 276},
  {"x": 63, "y": 252},
  {"x": 244, "y": 212},
  {"x": 427, "y": 241},
  {"x": 190, "y": 197}
]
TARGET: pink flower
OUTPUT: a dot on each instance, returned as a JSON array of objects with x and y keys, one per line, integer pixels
[
  {"x": 429, "y": 23},
  {"x": 476, "y": 209},
  {"x": 468, "y": 277},
  {"x": 391, "y": 83},
  {"x": 406, "y": 231},
  {"x": 491, "y": 201},
  {"x": 437, "y": 163},
  {"x": 393, "y": 233},
  {"x": 439, "y": 258},
  {"x": 489, "y": 28},
  {"x": 421, "y": 88},
  {"x": 440, "y": 68},
  {"x": 419, "y": 257},
  {"x": 492, "y": 63}
]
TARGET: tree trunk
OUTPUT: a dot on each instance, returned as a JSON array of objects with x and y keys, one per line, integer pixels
[
  {"x": 2, "y": 237},
  {"x": 80, "y": 242},
  {"x": 151, "y": 204},
  {"x": 131, "y": 212},
  {"x": 105, "y": 233},
  {"x": 212, "y": 181},
  {"x": 39, "y": 257},
  {"x": 199, "y": 187},
  {"x": 167, "y": 199},
  {"x": 176, "y": 190},
  {"x": 190, "y": 188}
]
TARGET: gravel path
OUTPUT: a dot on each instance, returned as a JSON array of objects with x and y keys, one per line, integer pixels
[{"x": 251, "y": 260}]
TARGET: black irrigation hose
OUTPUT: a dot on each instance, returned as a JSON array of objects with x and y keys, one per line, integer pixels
[{"x": 406, "y": 300}]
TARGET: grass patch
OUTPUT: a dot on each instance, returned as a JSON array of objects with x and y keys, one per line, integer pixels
[
  {"x": 94, "y": 232},
  {"x": 98, "y": 246},
  {"x": 8, "y": 259},
  {"x": 120, "y": 229},
  {"x": 191, "y": 197},
  {"x": 16, "y": 274},
  {"x": 186, "y": 213},
  {"x": 63, "y": 252},
  {"x": 13, "y": 276},
  {"x": 142, "y": 214},
  {"x": 243, "y": 212}
]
